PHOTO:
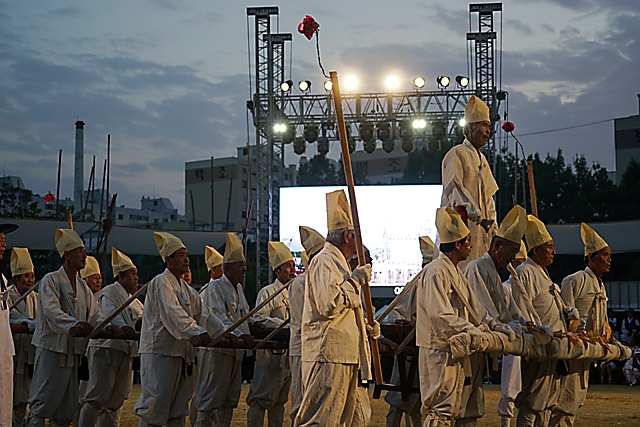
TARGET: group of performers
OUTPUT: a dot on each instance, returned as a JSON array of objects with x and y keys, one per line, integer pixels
[{"x": 463, "y": 313}]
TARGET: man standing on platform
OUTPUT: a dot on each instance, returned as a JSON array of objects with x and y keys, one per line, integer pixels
[
  {"x": 64, "y": 301},
  {"x": 219, "y": 376},
  {"x": 585, "y": 291},
  {"x": 486, "y": 284},
  {"x": 269, "y": 390},
  {"x": 468, "y": 184},
  {"x": 110, "y": 361},
  {"x": 334, "y": 333},
  {"x": 173, "y": 314},
  {"x": 313, "y": 242}
]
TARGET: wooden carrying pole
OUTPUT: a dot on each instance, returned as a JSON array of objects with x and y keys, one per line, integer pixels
[
  {"x": 532, "y": 189},
  {"x": 348, "y": 173}
]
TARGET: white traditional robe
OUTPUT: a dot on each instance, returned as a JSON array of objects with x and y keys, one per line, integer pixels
[
  {"x": 23, "y": 361},
  {"x": 441, "y": 314},
  {"x": 334, "y": 342},
  {"x": 540, "y": 379},
  {"x": 173, "y": 314},
  {"x": 586, "y": 292},
  {"x": 510, "y": 379},
  {"x": 6, "y": 357},
  {"x": 269, "y": 388},
  {"x": 296, "y": 305},
  {"x": 54, "y": 389},
  {"x": 219, "y": 371},
  {"x": 110, "y": 362},
  {"x": 467, "y": 181}
]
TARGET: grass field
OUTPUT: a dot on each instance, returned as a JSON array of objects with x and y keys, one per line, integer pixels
[{"x": 606, "y": 405}]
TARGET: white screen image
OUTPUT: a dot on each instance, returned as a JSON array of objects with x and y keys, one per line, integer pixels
[{"x": 392, "y": 217}]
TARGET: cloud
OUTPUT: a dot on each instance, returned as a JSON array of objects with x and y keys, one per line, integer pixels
[
  {"x": 519, "y": 26},
  {"x": 67, "y": 12}
]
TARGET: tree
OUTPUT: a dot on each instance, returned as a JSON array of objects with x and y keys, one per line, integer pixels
[
  {"x": 16, "y": 202},
  {"x": 319, "y": 170}
]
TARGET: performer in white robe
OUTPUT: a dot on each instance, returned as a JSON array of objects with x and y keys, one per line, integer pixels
[
  {"x": 313, "y": 242},
  {"x": 91, "y": 275},
  {"x": 334, "y": 333},
  {"x": 23, "y": 278},
  {"x": 585, "y": 291},
  {"x": 110, "y": 361},
  {"x": 6, "y": 341},
  {"x": 445, "y": 307},
  {"x": 405, "y": 313},
  {"x": 485, "y": 282},
  {"x": 468, "y": 184},
  {"x": 64, "y": 302},
  {"x": 219, "y": 381},
  {"x": 213, "y": 260},
  {"x": 173, "y": 314},
  {"x": 269, "y": 389},
  {"x": 510, "y": 377},
  {"x": 540, "y": 379}
]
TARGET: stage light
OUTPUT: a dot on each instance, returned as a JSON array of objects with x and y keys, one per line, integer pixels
[
  {"x": 443, "y": 81},
  {"x": 350, "y": 83},
  {"x": 439, "y": 130},
  {"x": 406, "y": 131},
  {"x": 279, "y": 128},
  {"x": 462, "y": 81},
  {"x": 419, "y": 124},
  {"x": 304, "y": 85},
  {"x": 501, "y": 95},
  {"x": 418, "y": 82},
  {"x": 311, "y": 133},
  {"x": 328, "y": 85},
  {"x": 286, "y": 86},
  {"x": 407, "y": 146},
  {"x": 352, "y": 144},
  {"x": 370, "y": 146},
  {"x": 389, "y": 146},
  {"x": 366, "y": 132},
  {"x": 462, "y": 122},
  {"x": 299, "y": 146},
  {"x": 392, "y": 82},
  {"x": 323, "y": 146},
  {"x": 384, "y": 131}
]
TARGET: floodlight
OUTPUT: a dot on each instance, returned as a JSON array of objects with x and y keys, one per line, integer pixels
[
  {"x": 462, "y": 122},
  {"x": 299, "y": 146},
  {"x": 389, "y": 145},
  {"x": 406, "y": 131},
  {"x": 392, "y": 82},
  {"x": 352, "y": 144},
  {"x": 419, "y": 124},
  {"x": 384, "y": 131},
  {"x": 304, "y": 85},
  {"x": 279, "y": 128},
  {"x": 407, "y": 146},
  {"x": 366, "y": 132},
  {"x": 311, "y": 133},
  {"x": 370, "y": 146},
  {"x": 286, "y": 86},
  {"x": 462, "y": 81},
  {"x": 443, "y": 81},
  {"x": 418, "y": 82},
  {"x": 328, "y": 85},
  {"x": 350, "y": 83}
]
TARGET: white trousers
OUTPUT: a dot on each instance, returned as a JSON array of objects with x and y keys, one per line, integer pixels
[
  {"x": 218, "y": 389},
  {"x": 399, "y": 408},
  {"x": 295, "y": 364},
  {"x": 510, "y": 386},
  {"x": 269, "y": 389},
  {"x": 441, "y": 384}
]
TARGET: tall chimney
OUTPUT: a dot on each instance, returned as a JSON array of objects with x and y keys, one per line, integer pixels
[{"x": 78, "y": 174}]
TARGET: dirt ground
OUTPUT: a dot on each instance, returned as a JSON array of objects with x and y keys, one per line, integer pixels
[{"x": 606, "y": 405}]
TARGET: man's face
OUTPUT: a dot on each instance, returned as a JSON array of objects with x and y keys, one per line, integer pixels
[
  {"x": 3, "y": 245},
  {"x": 505, "y": 252},
  {"x": 129, "y": 280},
  {"x": 286, "y": 271},
  {"x": 600, "y": 262},
  {"x": 76, "y": 258},
  {"x": 517, "y": 262},
  {"x": 94, "y": 282},
  {"x": 350, "y": 239},
  {"x": 544, "y": 254},
  {"x": 479, "y": 133},
  {"x": 187, "y": 277},
  {"x": 24, "y": 282},
  {"x": 178, "y": 264},
  {"x": 464, "y": 249},
  {"x": 216, "y": 272},
  {"x": 236, "y": 271}
]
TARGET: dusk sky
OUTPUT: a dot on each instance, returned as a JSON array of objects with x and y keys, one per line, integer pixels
[{"x": 169, "y": 79}]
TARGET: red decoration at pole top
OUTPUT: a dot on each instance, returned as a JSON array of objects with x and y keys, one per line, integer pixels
[
  {"x": 508, "y": 127},
  {"x": 308, "y": 27},
  {"x": 48, "y": 198}
]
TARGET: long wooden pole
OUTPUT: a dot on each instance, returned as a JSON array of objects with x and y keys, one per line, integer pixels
[
  {"x": 271, "y": 335},
  {"x": 212, "y": 204},
  {"x": 532, "y": 189},
  {"x": 229, "y": 201},
  {"x": 397, "y": 299},
  {"x": 113, "y": 315},
  {"x": 348, "y": 173},
  {"x": 58, "y": 182},
  {"x": 86, "y": 199}
]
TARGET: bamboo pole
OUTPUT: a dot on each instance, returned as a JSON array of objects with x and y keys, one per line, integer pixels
[
  {"x": 113, "y": 315},
  {"x": 229, "y": 201},
  {"x": 273, "y": 333},
  {"x": 58, "y": 182},
  {"x": 348, "y": 172},
  {"x": 532, "y": 189},
  {"x": 86, "y": 199}
]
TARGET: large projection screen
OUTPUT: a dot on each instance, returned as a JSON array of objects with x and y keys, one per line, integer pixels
[{"x": 392, "y": 217}]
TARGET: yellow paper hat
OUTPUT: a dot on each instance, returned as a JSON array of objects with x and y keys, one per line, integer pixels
[
  {"x": 338, "y": 211},
  {"x": 91, "y": 268},
  {"x": 476, "y": 111},
  {"x": 233, "y": 251},
  {"x": 426, "y": 248},
  {"x": 120, "y": 262},
  {"x": 305, "y": 259},
  {"x": 513, "y": 225},
  {"x": 167, "y": 243},
  {"x": 211, "y": 257},
  {"x": 536, "y": 233},
  {"x": 450, "y": 226},
  {"x": 21, "y": 262},
  {"x": 522, "y": 253},
  {"x": 67, "y": 240},
  {"x": 592, "y": 241},
  {"x": 312, "y": 241},
  {"x": 279, "y": 253}
]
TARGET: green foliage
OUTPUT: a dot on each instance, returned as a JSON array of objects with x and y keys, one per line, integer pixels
[{"x": 18, "y": 202}]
